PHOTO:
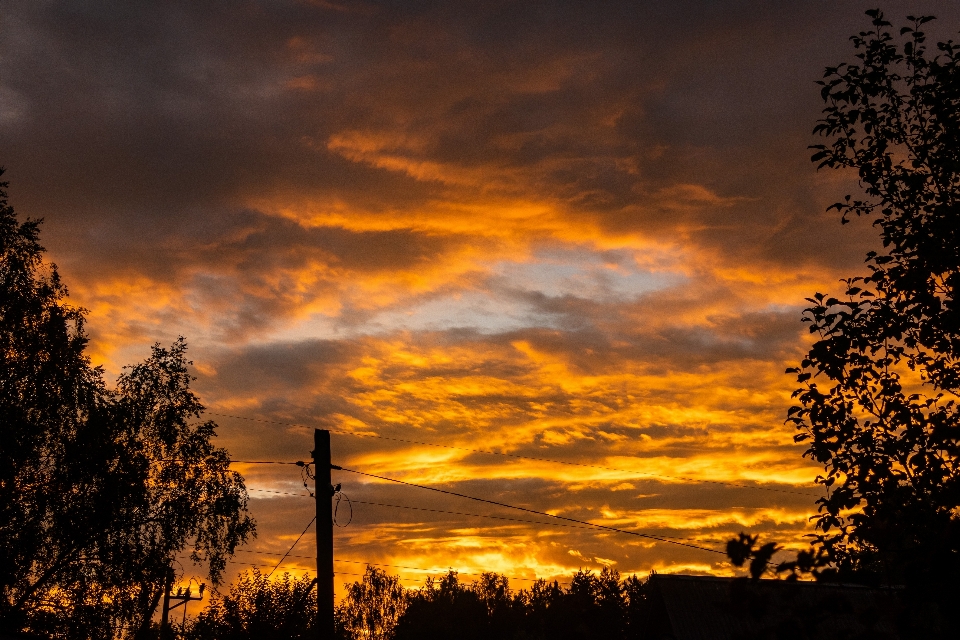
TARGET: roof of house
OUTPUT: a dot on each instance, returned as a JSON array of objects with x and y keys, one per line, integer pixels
[{"x": 709, "y": 608}]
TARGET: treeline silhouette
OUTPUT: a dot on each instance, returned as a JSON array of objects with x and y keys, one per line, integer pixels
[{"x": 378, "y": 607}]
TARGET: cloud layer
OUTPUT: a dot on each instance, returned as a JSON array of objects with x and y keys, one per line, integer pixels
[{"x": 580, "y": 235}]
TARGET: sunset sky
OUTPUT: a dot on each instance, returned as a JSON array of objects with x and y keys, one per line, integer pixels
[{"x": 580, "y": 232}]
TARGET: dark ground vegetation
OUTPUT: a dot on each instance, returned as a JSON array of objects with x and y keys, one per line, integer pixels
[{"x": 601, "y": 606}]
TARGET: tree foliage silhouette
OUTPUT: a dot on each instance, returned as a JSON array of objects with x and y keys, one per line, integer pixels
[
  {"x": 99, "y": 488},
  {"x": 593, "y": 606},
  {"x": 877, "y": 403},
  {"x": 258, "y": 608},
  {"x": 885, "y": 424},
  {"x": 372, "y": 606}
]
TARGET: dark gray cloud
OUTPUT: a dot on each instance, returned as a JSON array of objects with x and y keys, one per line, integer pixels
[{"x": 148, "y": 119}]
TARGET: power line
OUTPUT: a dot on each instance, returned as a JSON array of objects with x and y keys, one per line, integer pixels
[
  {"x": 522, "y": 457},
  {"x": 260, "y": 564},
  {"x": 539, "y": 513},
  {"x": 312, "y": 520},
  {"x": 376, "y": 564},
  {"x": 400, "y": 566},
  {"x": 474, "y": 515},
  {"x": 255, "y": 564},
  {"x": 285, "y": 493},
  {"x": 460, "y": 513},
  {"x": 454, "y": 513},
  {"x": 271, "y": 553},
  {"x": 234, "y": 461},
  {"x": 481, "y": 515}
]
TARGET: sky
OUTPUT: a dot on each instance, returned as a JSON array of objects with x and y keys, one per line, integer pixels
[{"x": 580, "y": 234}]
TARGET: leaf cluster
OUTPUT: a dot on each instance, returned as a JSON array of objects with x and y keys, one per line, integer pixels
[
  {"x": 877, "y": 406},
  {"x": 99, "y": 488},
  {"x": 877, "y": 397},
  {"x": 372, "y": 606},
  {"x": 258, "y": 608}
]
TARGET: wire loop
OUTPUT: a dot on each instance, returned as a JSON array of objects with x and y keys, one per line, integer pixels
[{"x": 336, "y": 507}]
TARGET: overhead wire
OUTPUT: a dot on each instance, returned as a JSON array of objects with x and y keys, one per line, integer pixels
[
  {"x": 473, "y": 515},
  {"x": 263, "y": 564},
  {"x": 461, "y": 513},
  {"x": 540, "y": 513},
  {"x": 312, "y": 520},
  {"x": 338, "y": 495},
  {"x": 284, "y": 493},
  {"x": 232, "y": 461},
  {"x": 482, "y": 515},
  {"x": 256, "y": 564},
  {"x": 523, "y": 457},
  {"x": 375, "y": 564},
  {"x": 400, "y": 566},
  {"x": 454, "y": 513},
  {"x": 581, "y": 523},
  {"x": 271, "y": 553}
]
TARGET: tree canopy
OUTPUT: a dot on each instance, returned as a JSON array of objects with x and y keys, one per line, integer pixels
[
  {"x": 257, "y": 608},
  {"x": 372, "y": 606},
  {"x": 100, "y": 488},
  {"x": 877, "y": 402},
  {"x": 877, "y": 405},
  {"x": 592, "y": 606}
]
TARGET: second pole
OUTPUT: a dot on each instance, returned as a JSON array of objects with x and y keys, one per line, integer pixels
[{"x": 323, "y": 489}]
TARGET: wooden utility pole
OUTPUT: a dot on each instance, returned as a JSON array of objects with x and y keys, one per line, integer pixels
[{"x": 323, "y": 488}]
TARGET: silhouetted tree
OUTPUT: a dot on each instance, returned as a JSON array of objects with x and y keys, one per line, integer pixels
[
  {"x": 373, "y": 606},
  {"x": 258, "y": 608},
  {"x": 638, "y": 610},
  {"x": 877, "y": 403},
  {"x": 886, "y": 425},
  {"x": 444, "y": 608},
  {"x": 99, "y": 489},
  {"x": 539, "y": 606},
  {"x": 593, "y": 607}
]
